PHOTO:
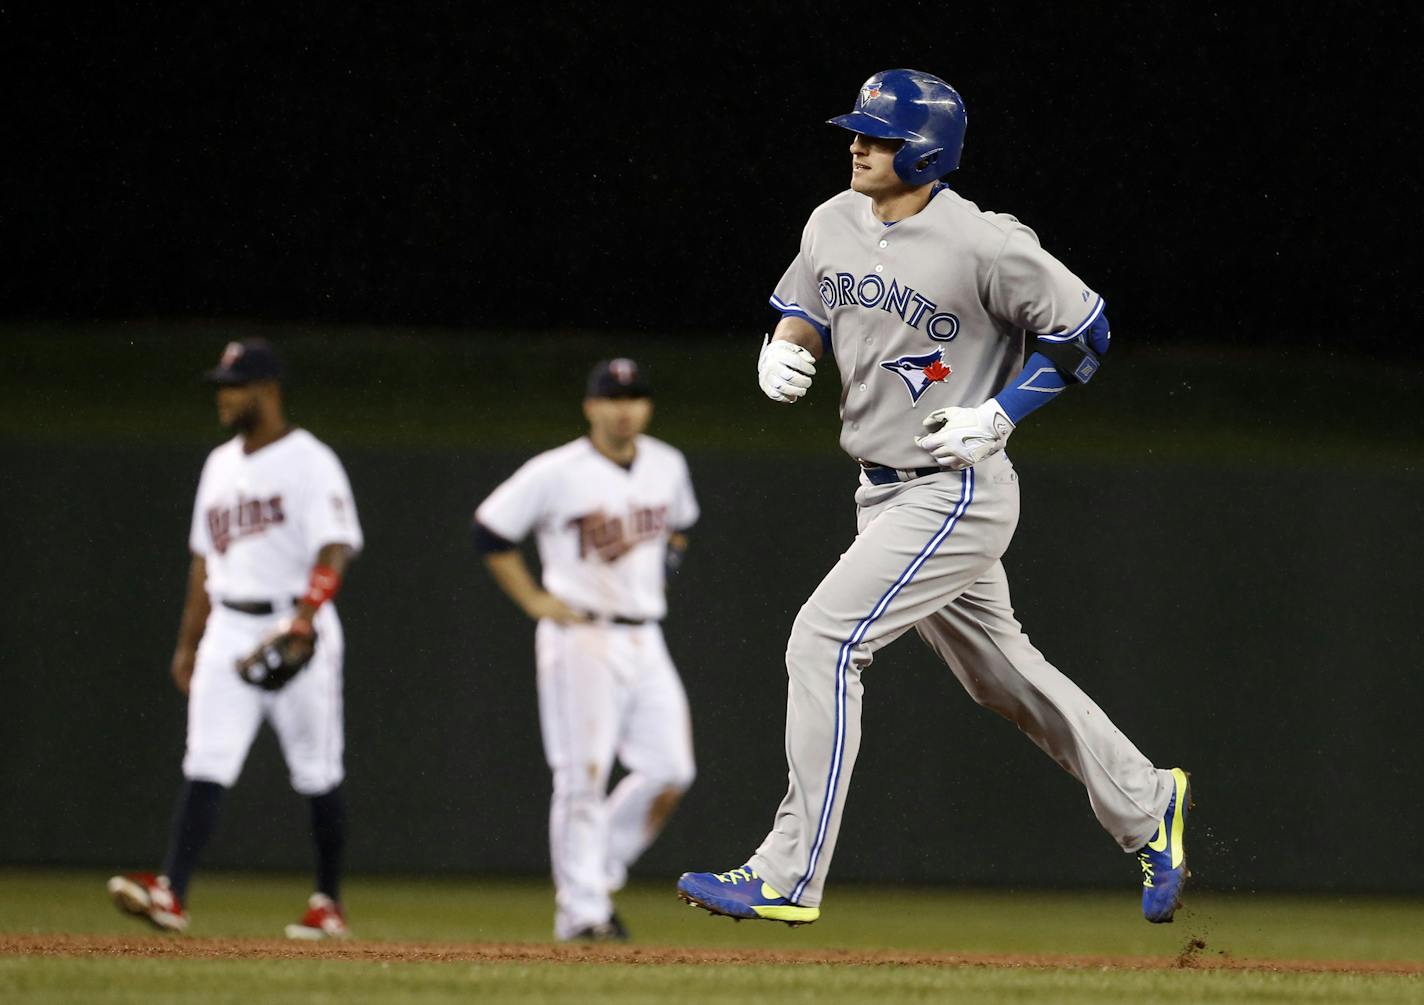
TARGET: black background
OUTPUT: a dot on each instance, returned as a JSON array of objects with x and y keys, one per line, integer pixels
[{"x": 1222, "y": 175}]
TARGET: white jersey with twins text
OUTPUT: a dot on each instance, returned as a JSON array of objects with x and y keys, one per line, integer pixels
[
  {"x": 260, "y": 518},
  {"x": 602, "y": 529}
]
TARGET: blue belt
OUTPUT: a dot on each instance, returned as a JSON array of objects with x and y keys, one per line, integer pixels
[{"x": 879, "y": 475}]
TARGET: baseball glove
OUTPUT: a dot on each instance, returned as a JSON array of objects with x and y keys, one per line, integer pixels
[{"x": 278, "y": 658}]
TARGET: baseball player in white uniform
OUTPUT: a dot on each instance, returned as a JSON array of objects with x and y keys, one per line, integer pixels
[
  {"x": 926, "y": 302},
  {"x": 274, "y": 528},
  {"x": 610, "y": 510}
]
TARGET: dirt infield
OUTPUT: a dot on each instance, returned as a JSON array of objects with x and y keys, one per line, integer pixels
[{"x": 1194, "y": 956}]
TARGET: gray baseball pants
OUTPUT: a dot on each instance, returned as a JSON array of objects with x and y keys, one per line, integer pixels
[{"x": 926, "y": 556}]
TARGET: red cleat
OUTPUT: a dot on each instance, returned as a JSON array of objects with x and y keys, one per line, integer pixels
[
  {"x": 323, "y": 920},
  {"x": 144, "y": 895}
]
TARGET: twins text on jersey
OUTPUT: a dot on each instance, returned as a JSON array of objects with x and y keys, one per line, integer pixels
[{"x": 243, "y": 519}]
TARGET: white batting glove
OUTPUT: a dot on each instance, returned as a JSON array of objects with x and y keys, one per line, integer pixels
[
  {"x": 962, "y": 437},
  {"x": 784, "y": 370}
]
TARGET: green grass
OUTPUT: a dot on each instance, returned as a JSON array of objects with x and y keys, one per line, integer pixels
[
  {"x": 860, "y": 919},
  {"x": 402, "y": 389}
]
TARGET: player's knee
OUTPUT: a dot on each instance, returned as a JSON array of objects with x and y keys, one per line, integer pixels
[
  {"x": 314, "y": 779},
  {"x": 815, "y": 642},
  {"x": 221, "y": 767},
  {"x": 579, "y": 806},
  {"x": 814, "y": 626},
  {"x": 585, "y": 780},
  {"x": 680, "y": 779},
  {"x": 204, "y": 778}
]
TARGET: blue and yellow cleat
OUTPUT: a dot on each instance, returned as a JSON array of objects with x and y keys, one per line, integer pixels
[
  {"x": 740, "y": 894},
  {"x": 1164, "y": 858}
]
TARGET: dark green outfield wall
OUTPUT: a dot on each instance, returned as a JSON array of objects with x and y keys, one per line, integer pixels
[{"x": 1259, "y": 627}]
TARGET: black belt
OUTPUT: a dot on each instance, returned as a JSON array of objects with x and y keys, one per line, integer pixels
[
  {"x": 616, "y": 619},
  {"x": 253, "y": 606},
  {"x": 877, "y": 474}
]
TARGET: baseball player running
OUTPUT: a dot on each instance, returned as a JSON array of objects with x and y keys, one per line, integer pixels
[
  {"x": 610, "y": 510},
  {"x": 274, "y": 528},
  {"x": 925, "y": 302}
]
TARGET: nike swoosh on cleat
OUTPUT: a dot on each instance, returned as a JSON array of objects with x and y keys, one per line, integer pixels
[
  {"x": 1179, "y": 818},
  {"x": 789, "y": 913}
]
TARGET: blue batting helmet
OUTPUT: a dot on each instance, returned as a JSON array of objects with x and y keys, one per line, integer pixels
[{"x": 918, "y": 108}]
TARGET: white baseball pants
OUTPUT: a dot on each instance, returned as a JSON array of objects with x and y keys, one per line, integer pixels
[
  {"x": 224, "y": 711},
  {"x": 606, "y": 691}
]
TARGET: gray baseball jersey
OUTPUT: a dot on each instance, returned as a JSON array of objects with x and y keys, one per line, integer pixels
[
  {"x": 929, "y": 313},
  {"x": 924, "y": 313}
]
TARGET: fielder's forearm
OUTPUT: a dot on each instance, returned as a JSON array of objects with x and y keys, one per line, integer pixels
[
  {"x": 196, "y": 607},
  {"x": 330, "y": 567},
  {"x": 513, "y": 576},
  {"x": 336, "y": 557}
]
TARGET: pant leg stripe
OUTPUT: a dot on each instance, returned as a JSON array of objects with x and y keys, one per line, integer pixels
[{"x": 966, "y": 496}]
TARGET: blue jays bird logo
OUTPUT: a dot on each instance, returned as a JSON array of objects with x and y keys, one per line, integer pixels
[
  {"x": 919, "y": 372},
  {"x": 869, "y": 91}
]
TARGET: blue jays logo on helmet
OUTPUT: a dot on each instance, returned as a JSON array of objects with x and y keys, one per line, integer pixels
[{"x": 919, "y": 372}]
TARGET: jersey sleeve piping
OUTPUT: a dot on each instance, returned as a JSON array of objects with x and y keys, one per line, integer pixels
[
  {"x": 790, "y": 310},
  {"x": 1087, "y": 322}
]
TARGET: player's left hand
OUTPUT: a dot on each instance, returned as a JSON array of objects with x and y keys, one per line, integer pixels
[
  {"x": 962, "y": 437},
  {"x": 676, "y": 551},
  {"x": 280, "y": 656}
]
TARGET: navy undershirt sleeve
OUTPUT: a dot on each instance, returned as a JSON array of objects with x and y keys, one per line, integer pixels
[{"x": 487, "y": 542}]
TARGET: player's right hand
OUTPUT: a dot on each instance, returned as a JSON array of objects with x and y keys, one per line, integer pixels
[
  {"x": 182, "y": 668},
  {"x": 960, "y": 438},
  {"x": 546, "y": 605},
  {"x": 784, "y": 370}
]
